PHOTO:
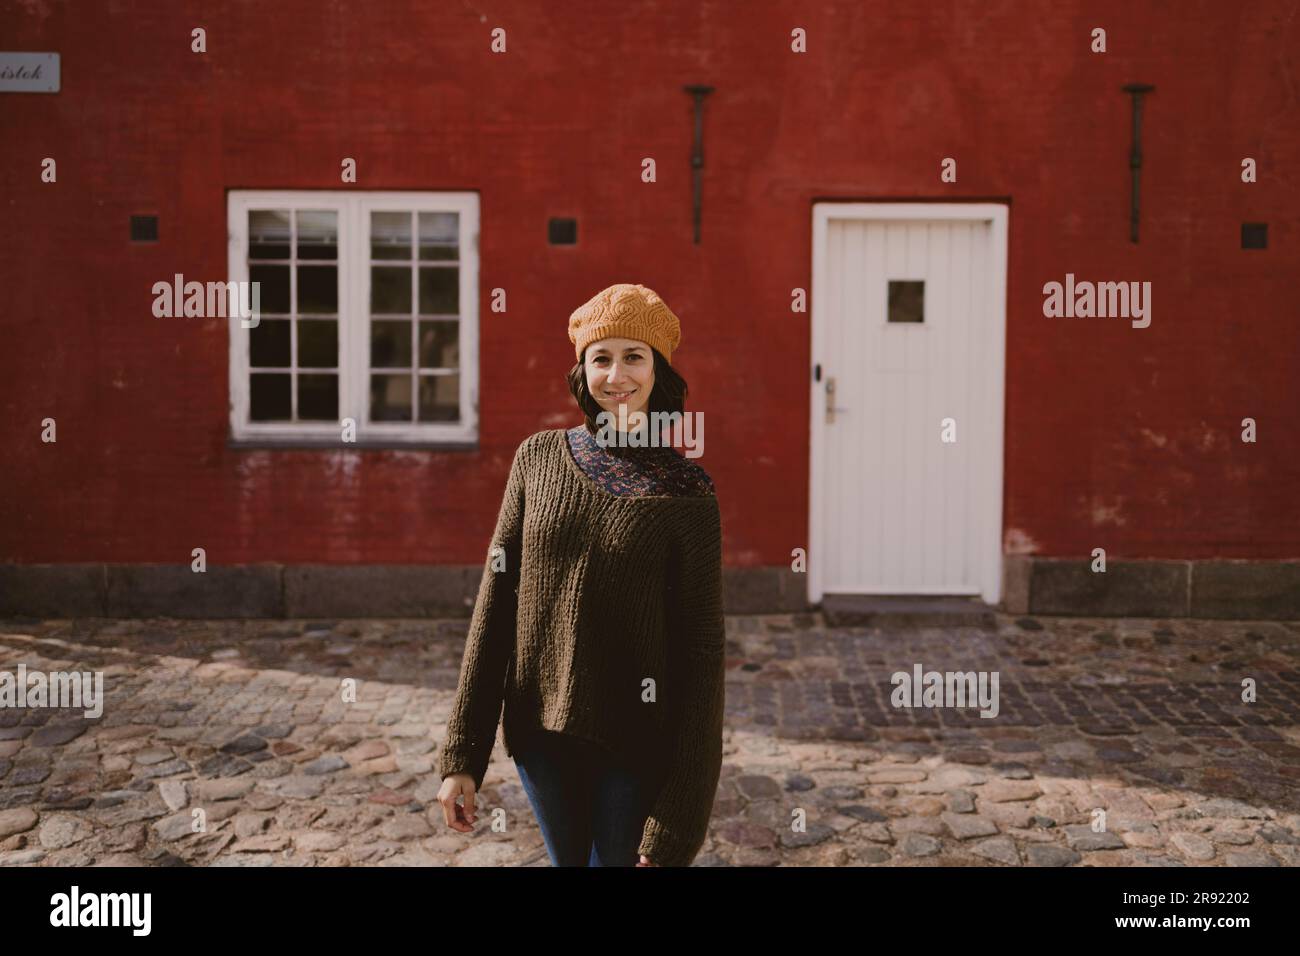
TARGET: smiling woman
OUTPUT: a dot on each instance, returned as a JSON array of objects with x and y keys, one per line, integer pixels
[
  {"x": 620, "y": 374},
  {"x": 623, "y": 339},
  {"x": 617, "y": 740},
  {"x": 623, "y": 378}
]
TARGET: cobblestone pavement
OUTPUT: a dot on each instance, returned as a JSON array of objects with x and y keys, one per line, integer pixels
[{"x": 245, "y": 719}]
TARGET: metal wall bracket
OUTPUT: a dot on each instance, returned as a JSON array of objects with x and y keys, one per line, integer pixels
[
  {"x": 697, "y": 153},
  {"x": 1135, "y": 153}
]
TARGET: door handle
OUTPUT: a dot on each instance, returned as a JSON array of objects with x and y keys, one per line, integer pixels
[{"x": 831, "y": 407}]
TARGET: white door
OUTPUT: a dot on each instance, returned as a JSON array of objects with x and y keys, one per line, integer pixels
[{"x": 908, "y": 326}]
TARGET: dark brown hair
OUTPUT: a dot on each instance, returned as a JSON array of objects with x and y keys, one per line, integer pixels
[{"x": 668, "y": 394}]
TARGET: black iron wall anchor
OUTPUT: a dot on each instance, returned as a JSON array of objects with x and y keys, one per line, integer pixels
[
  {"x": 697, "y": 152},
  {"x": 1135, "y": 154}
]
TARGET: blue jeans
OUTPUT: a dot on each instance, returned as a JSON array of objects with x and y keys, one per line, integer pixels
[{"x": 591, "y": 809}]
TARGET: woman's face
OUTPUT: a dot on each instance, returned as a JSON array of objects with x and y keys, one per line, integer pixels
[{"x": 620, "y": 372}]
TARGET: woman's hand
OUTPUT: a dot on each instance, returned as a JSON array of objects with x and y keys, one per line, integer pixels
[
  {"x": 458, "y": 817},
  {"x": 645, "y": 861}
]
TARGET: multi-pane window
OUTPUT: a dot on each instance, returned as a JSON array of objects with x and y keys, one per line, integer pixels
[
  {"x": 414, "y": 316},
  {"x": 367, "y": 316},
  {"x": 293, "y": 351}
]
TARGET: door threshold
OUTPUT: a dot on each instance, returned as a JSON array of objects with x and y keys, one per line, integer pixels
[{"x": 906, "y": 610}]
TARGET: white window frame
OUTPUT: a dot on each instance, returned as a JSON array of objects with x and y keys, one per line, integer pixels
[{"x": 354, "y": 210}]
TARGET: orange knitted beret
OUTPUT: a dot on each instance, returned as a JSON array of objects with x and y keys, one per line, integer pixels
[{"x": 627, "y": 311}]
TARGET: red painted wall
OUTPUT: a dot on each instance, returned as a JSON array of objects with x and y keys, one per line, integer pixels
[{"x": 1117, "y": 437}]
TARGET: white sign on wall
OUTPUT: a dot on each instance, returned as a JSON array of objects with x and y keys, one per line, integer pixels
[{"x": 29, "y": 73}]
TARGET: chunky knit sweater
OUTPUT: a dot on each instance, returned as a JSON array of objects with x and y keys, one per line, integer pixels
[{"x": 599, "y": 615}]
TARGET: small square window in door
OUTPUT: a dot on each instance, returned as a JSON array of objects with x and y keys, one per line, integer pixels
[{"x": 906, "y": 300}]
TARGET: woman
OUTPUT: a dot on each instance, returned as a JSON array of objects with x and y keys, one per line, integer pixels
[{"x": 598, "y": 622}]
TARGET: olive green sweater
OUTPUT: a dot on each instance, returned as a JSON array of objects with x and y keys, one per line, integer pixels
[{"x": 600, "y": 615}]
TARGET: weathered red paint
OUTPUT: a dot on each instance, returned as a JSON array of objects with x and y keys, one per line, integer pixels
[{"x": 1116, "y": 437}]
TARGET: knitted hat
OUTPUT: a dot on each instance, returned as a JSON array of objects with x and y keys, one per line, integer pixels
[{"x": 629, "y": 311}]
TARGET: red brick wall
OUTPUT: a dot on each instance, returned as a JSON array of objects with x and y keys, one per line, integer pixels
[{"x": 1117, "y": 436}]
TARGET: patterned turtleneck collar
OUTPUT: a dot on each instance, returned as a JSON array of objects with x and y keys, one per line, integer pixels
[
  {"x": 618, "y": 442},
  {"x": 631, "y": 470}
]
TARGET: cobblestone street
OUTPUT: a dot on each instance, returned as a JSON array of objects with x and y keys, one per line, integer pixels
[{"x": 245, "y": 719}]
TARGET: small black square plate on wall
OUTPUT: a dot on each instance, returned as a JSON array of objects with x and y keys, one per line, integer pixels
[
  {"x": 144, "y": 228},
  {"x": 563, "y": 232},
  {"x": 1254, "y": 235}
]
